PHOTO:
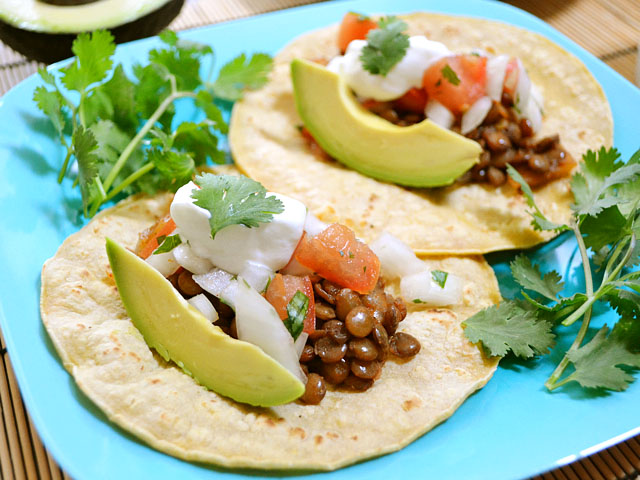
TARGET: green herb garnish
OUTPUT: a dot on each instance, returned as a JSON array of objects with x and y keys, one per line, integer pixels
[
  {"x": 606, "y": 219},
  {"x": 296, "y": 313},
  {"x": 385, "y": 47},
  {"x": 439, "y": 277},
  {"x": 167, "y": 244},
  {"x": 450, "y": 75},
  {"x": 417, "y": 300},
  {"x": 234, "y": 200},
  {"x": 120, "y": 131}
]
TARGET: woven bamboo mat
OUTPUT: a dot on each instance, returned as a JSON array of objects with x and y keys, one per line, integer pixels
[{"x": 608, "y": 29}]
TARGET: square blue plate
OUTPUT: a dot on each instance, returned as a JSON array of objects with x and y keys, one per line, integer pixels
[{"x": 513, "y": 428}]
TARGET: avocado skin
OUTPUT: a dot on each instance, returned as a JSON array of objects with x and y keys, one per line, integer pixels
[
  {"x": 420, "y": 155},
  {"x": 53, "y": 47}
]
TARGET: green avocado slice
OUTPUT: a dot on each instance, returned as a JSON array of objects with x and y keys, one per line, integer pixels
[
  {"x": 420, "y": 155},
  {"x": 179, "y": 332}
]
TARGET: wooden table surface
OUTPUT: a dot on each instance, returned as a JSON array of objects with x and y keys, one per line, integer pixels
[{"x": 609, "y": 30}]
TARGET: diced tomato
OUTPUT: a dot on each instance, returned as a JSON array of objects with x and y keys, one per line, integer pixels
[
  {"x": 148, "y": 240},
  {"x": 413, "y": 101},
  {"x": 511, "y": 77},
  {"x": 458, "y": 92},
  {"x": 354, "y": 26},
  {"x": 337, "y": 255},
  {"x": 282, "y": 289}
]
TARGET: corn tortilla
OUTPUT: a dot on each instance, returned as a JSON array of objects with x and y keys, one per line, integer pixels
[
  {"x": 469, "y": 219},
  {"x": 157, "y": 402}
]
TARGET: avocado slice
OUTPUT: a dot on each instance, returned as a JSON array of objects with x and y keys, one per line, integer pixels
[
  {"x": 179, "y": 332},
  {"x": 44, "y": 31},
  {"x": 420, "y": 155}
]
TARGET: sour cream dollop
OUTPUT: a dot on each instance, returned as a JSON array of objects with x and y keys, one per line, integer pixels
[
  {"x": 406, "y": 74},
  {"x": 238, "y": 248}
]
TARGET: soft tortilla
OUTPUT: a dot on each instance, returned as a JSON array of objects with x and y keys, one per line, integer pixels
[
  {"x": 156, "y": 401},
  {"x": 467, "y": 219}
]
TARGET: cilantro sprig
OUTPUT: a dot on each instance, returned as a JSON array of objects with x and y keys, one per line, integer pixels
[
  {"x": 120, "y": 131},
  {"x": 234, "y": 200},
  {"x": 386, "y": 46},
  {"x": 296, "y": 313},
  {"x": 606, "y": 224}
]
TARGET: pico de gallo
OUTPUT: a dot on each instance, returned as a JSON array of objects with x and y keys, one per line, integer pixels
[
  {"x": 226, "y": 234},
  {"x": 489, "y": 99}
]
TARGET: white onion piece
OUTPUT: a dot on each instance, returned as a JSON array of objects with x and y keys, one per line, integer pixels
[
  {"x": 496, "y": 70},
  {"x": 523, "y": 87},
  {"x": 439, "y": 114},
  {"x": 421, "y": 288},
  {"x": 475, "y": 115},
  {"x": 256, "y": 275},
  {"x": 214, "y": 281},
  {"x": 396, "y": 257},
  {"x": 536, "y": 96},
  {"x": 451, "y": 294},
  {"x": 300, "y": 342},
  {"x": 203, "y": 305},
  {"x": 257, "y": 322},
  {"x": 415, "y": 288},
  {"x": 313, "y": 225},
  {"x": 533, "y": 113},
  {"x": 190, "y": 261},
  {"x": 294, "y": 267},
  {"x": 165, "y": 263}
]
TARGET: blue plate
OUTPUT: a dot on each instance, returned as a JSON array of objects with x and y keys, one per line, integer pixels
[{"x": 513, "y": 428}]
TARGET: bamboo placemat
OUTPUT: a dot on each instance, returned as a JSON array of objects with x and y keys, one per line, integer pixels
[{"x": 609, "y": 30}]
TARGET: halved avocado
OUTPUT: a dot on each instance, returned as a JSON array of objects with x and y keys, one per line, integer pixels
[
  {"x": 45, "y": 31},
  {"x": 420, "y": 155},
  {"x": 180, "y": 333}
]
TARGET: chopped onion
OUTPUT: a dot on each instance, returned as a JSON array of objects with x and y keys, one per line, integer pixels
[
  {"x": 165, "y": 263},
  {"x": 533, "y": 113},
  {"x": 523, "y": 88},
  {"x": 421, "y": 288},
  {"x": 257, "y": 322},
  {"x": 475, "y": 115},
  {"x": 450, "y": 294},
  {"x": 396, "y": 257},
  {"x": 214, "y": 281},
  {"x": 300, "y": 342},
  {"x": 256, "y": 275},
  {"x": 185, "y": 256},
  {"x": 203, "y": 305},
  {"x": 439, "y": 114},
  {"x": 496, "y": 70},
  {"x": 294, "y": 267},
  {"x": 415, "y": 288}
]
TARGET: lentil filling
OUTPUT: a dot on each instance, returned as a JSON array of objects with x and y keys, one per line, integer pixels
[{"x": 354, "y": 335}]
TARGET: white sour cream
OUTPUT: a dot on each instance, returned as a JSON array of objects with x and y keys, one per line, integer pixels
[
  {"x": 237, "y": 248},
  {"x": 404, "y": 75}
]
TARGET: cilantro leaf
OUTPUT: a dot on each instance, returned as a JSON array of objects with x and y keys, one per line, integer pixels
[
  {"x": 597, "y": 363},
  {"x": 239, "y": 75},
  {"x": 93, "y": 60},
  {"x": 204, "y": 100},
  {"x": 50, "y": 103},
  {"x": 450, "y": 75},
  {"x": 530, "y": 277},
  {"x": 607, "y": 227},
  {"x": 507, "y": 327},
  {"x": 627, "y": 328},
  {"x": 167, "y": 244},
  {"x": 539, "y": 222},
  {"x": 439, "y": 277},
  {"x": 199, "y": 141},
  {"x": 177, "y": 168},
  {"x": 598, "y": 174},
  {"x": 84, "y": 145},
  {"x": 234, "y": 200},
  {"x": 296, "y": 313},
  {"x": 385, "y": 47}
]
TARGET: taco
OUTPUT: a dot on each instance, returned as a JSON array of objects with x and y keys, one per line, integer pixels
[
  {"x": 158, "y": 402},
  {"x": 464, "y": 218}
]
